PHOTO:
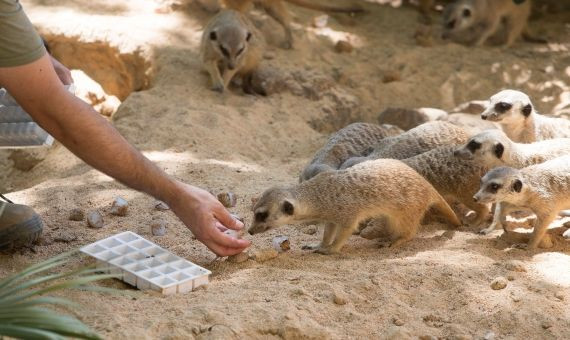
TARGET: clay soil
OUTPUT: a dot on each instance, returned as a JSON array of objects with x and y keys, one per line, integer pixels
[{"x": 437, "y": 285}]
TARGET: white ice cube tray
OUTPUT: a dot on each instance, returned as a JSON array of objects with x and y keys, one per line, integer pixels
[{"x": 145, "y": 265}]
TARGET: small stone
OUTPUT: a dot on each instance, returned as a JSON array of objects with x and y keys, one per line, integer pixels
[
  {"x": 158, "y": 227},
  {"x": 320, "y": 21},
  {"x": 238, "y": 258},
  {"x": 239, "y": 218},
  {"x": 65, "y": 237},
  {"x": 546, "y": 324},
  {"x": 559, "y": 296},
  {"x": 228, "y": 199},
  {"x": 397, "y": 321},
  {"x": 119, "y": 207},
  {"x": 391, "y": 76},
  {"x": 566, "y": 234},
  {"x": 340, "y": 298},
  {"x": 311, "y": 230},
  {"x": 490, "y": 335},
  {"x": 160, "y": 205},
  {"x": 234, "y": 233},
  {"x": 263, "y": 255},
  {"x": 95, "y": 219},
  {"x": 499, "y": 283},
  {"x": 76, "y": 214},
  {"x": 510, "y": 277},
  {"x": 281, "y": 243},
  {"x": 515, "y": 266},
  {"x": 343, "y": 46}
]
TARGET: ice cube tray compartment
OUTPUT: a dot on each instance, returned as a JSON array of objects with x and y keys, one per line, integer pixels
[
  {"x": 146, "y": 265},
  {"x": 23, "y": 135}
]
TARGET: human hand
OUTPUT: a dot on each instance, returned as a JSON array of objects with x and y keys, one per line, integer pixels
[
  {"x": 62, "y": 72},
  {"x": 207, "y": 219}
]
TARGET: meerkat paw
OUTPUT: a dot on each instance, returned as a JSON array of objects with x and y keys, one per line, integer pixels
[
  {"x": 326, "y": 251},
  {"x": 218, "y": 88},
  {"x": 486, "y": 231}
]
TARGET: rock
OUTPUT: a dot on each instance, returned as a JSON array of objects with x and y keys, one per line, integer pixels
[
  {"x": 238, "y": 258},
  {"x": 158, "y": 227},
  {"x": 160, "y": 205},
  {"x": 320, "y": 21},
  {"x": 515, "y": 266},
  {"x": 26, "y": 159},
  {"x": 281, "y": 243},
  {"x": 65, "y": 237},
  {"x": 499, "y": 283},
  {"x": 566, "y": 234},
  {"x": 343, "y": 46},
  {"x": 311, "y": 230},
  {"x": 510, "y": 277},
  {"x": 397, "y": 321},
  {"x": 490, "y": 335},
  {"x": 263, "y": 255},
  {"x": 95, "y": 219},
  {"x": 475, "y": 107},
  {"x": 228, "y": 199},
  {"x": 410, "y": 118},
  {"x": 546, "y": 324},
  {"x": 340, "y": 298},
  {"x": 234, "y": 233},
  {"x": 515, "y": 297},
  {"x": 559, "y": 296},
  {"x": 390, "y": 76},
  {"x": 119, "y": 207},
  {"x": 76, "y": 214}
]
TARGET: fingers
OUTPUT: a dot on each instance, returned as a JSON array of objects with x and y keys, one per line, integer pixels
[{"x": 227, "y": 219}]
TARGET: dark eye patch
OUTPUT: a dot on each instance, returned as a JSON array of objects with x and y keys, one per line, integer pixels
[
  {"x": 473, "y": 146},
  {"x": 261, "y": 216},
  {"x": 503, "y": 107},
  {"x": 493, "y": 188},
  {"x": 225, "y": 51}
]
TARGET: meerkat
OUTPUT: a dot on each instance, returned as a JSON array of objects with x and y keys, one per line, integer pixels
[
  {"x": 418, "y": 140},
  {"x": 543, "y": 188},
  {"x": 482, "y": 18},
  {"x": 493, "y": 148},
  {"x": 343, "y": 199},
  {"x": 354, "y": 140},
  {"x": 277, "y": 10},
  {"x": 517, "y": 116},
  {"x": 231, "y": 46},
  {"x": 471, "y": 123}
]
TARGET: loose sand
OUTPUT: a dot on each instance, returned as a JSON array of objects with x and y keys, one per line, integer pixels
[{"x": 437, "y": 285}]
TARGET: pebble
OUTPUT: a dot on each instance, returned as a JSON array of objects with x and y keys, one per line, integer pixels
[
  {"x": 238, "y": 258},
  {"x": 119, "y": 207},
  {"x": 566, "y": 234},
  {"x": 559, "y": 296},
  {"x": 499, "y": 283},
  {"x": 281, "y": 243},
  {"x": 343, "y": 46},
  {"x": 239, "y": 218},
  {"x": 515, "y": 266},
  {"x": 391, "y": 76},
  {"x": 65, "y": 237},
  {"x": 76, "y": 214},
  {"x": 160, "y": 205},
  {"x": 311, "y": 230},
  {"x": 228, "y": 199},
  {"x": 397, "y": 321},
  {"x": 546, "y": 324},
  {"x": 263, "y": 255},
  {"x": 510, "y": 277},
  {"x": 340, "y": 298},
  {"x": 158, "y": 227},
  {"x": 95, "y": 219},
  {"x": 490, "y": 335},
  {"x": 234, "y": 233}
]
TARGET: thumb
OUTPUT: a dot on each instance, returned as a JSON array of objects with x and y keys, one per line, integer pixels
[{"x": 227, "y": 220}]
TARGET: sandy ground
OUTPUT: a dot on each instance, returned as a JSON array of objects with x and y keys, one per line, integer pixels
[{"x": 437, "y": 285}]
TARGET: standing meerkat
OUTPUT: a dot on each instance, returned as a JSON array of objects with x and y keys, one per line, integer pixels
[
  {"x": 480, "y": 19},
  {"x": 515, "y": 113},
  {"x": 231, "y": 46},
  {"x": 493, "y": 148},
  {"x": 543, "y": 188},
  {"x": 354, "y": 140},
  {"x": 277, "y": 10},
  {"x": 418, "y": 140},
  {"x": 343, "y": 199}
]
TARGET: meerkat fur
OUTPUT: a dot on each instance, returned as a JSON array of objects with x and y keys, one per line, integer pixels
[
  {"x": 415, "y": 141},
  {"x": 493, "y": 148},
  {"x": 517, "y": 116},
  {"x": 231, "y": 46},
  {"x": 481, "y": 19},
  {"x": 354, "y": 140},
  {"x": 342, "y": 199},
  {"x": 543, "y": 188}
]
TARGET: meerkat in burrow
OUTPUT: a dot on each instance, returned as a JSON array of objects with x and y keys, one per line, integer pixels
[
  {"x": 478, "y": 20},
  {"x": 543, "y": 188},
  {"x": 277, "y": 10},
  {"x": 418, "y": 140},
  {"x": 515, "y": 113},
  {"x": 231, "y": 46},
  {"x": 342, "y": 199},
  {"x": 493, "y": 148},
  {"x": 354, "y": 140}
]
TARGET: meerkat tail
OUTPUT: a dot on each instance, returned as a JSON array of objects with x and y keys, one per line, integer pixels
[
  {"x": 444, "y": 209},
  {"x": 326, "y": 8}
]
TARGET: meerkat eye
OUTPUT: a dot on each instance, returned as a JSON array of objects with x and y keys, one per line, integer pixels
[
  {"x": 466, "y": 13},
  {"x": 494, "y": 187},
  {"x": 473, "y": 146},
  {"x": 503, "y": 107},
  {"x": 240, "y": 51},
  {"x": 451, "y": 24},
  {"x": 261, "y": 216},
  {"x": 225, "y": 51}
]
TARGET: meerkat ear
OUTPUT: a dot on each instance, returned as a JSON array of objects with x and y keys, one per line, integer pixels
[
  {"x": 288, "y": 208},
  {"x": 499, "y": 149},
  {"x": 213, "y": 35},
  {"x": 517, "y": 185},
  {"x": 248, "y": 37},
  {"x": 527, "y": 110}
]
